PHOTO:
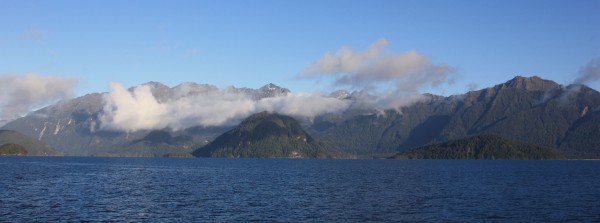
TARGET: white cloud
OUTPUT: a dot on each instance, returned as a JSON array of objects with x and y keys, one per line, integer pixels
[
  {"x": 409, "y": 69},
  {"x": 302, "y": 104},
  {"x": 21, "y": 93},
  {"x": 399, "y": 74},
  {"x": 201, "y": 106}
]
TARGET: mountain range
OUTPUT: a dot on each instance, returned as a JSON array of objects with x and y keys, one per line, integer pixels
[
  {"x": 72, "y": 126},
  {"x": 527, "y": 109},
  {"x": 530, "y": 110}
]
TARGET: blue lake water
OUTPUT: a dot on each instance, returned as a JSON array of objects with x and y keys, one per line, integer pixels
[{"x": 289, "y": 190}]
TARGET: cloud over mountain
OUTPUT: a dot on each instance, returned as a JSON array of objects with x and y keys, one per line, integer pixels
[
  {"x": 589, "y": 72},
  {"x": 404, "y": 72},
  {"x": 200, "y": 105},
  {"x": 21, "y": 93}
]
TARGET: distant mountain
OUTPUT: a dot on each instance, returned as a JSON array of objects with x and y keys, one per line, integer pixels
[
  {"x": 526, "y": 109},
  {"x": 161, "y": 143},
  {"x": 268, "y": 91},
  {"x": 266, "y": 135},
  {"x": 17, "y": 141},
  {"x": 530, "y": 110},
  {"x": 3, "y": 122},
  {"x": 481, "y": 147},
  {"x": 72, "y": 126}
]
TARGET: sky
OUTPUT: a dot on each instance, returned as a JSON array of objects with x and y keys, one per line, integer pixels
[{"x": 448, "y": 47}]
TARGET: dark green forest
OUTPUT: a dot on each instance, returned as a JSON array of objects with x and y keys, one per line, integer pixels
[
  {"x": 487, "y": 147},
  {"x": 11, "y": 149},
  {"x": 266, "y": 135}
]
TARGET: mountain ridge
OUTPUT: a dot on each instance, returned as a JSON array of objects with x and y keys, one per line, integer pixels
[
  {"x": 518, "y": 109},
  {"x": 72, "y": 126},
  {"x": 528, "y": 109}
]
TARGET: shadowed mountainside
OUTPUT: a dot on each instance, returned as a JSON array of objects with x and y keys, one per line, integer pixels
[
  {"x": 530, "y": 110},
  {"x": 526, "y": 109}
]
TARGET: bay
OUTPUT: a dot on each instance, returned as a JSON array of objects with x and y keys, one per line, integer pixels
[{"x": 66, "y": 189}]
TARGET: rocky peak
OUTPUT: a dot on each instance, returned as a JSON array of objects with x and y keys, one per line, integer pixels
[
  {"x": 340, "y": 94},
  {"x": 155, "y": 85},
  {"x": 534, "y": 83},
  {"x": 191, "y": 89},
  {"x": 160, "y": 91},
  {"x": 272, "y": 90}
]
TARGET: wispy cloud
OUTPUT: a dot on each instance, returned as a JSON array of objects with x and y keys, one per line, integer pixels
[
  {"x": 375, "y": 67},
  {"x": 590, "y": 72},
  {"x": 33, "y": 34},
  {"x": 193, "y": 52},
  {"x": 38, "y": 37},
  {"x": 21, "y": 93},
  {"x": 472, "y": 86}
]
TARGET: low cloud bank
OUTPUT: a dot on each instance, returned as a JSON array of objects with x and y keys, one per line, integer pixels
[
  {"x": 139, "y": 109},
  {"x": 21, "y": 93}
]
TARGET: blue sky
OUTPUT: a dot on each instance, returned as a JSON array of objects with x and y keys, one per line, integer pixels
[{"x": 252, "y": 43}]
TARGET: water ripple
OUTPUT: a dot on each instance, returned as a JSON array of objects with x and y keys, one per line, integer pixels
[{"x": 66, "y": 189}]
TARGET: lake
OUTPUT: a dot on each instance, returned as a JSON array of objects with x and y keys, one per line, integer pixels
[{"x": 293, "y": 190}]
